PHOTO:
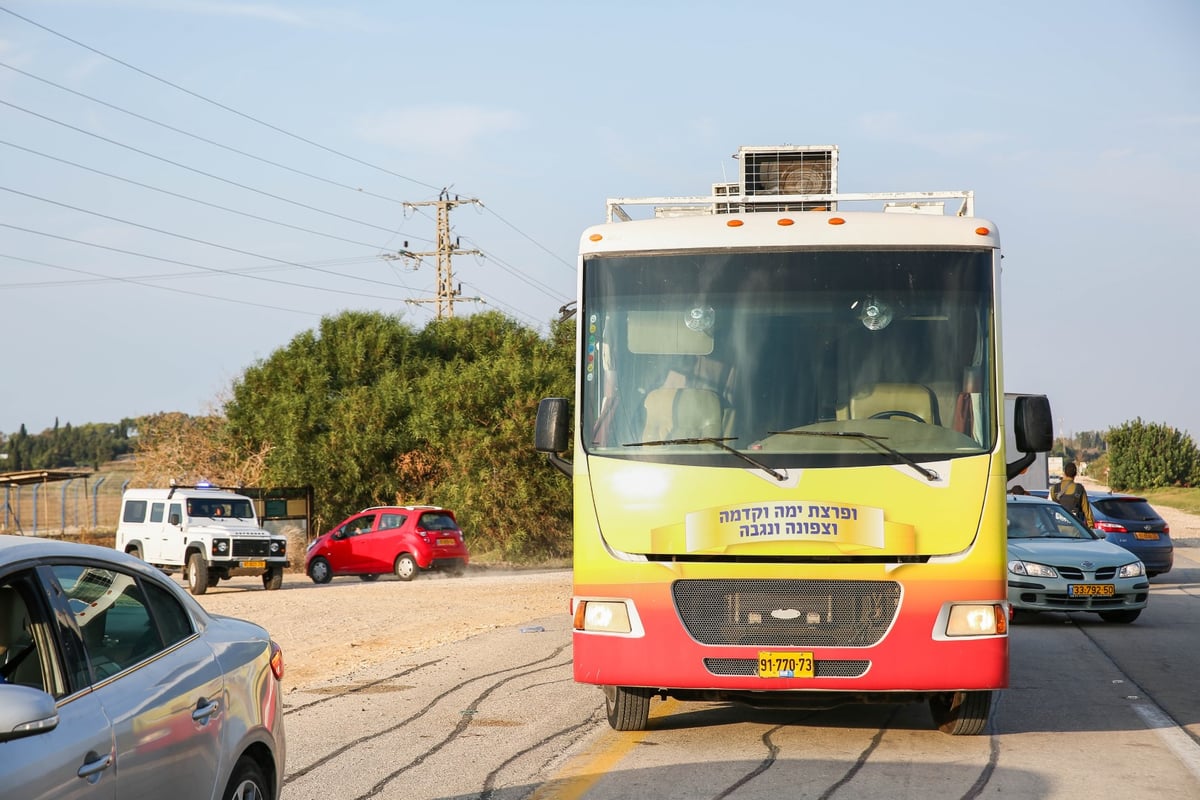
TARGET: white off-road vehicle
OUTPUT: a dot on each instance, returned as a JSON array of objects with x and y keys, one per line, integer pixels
[{"x": 213, "y": 534}]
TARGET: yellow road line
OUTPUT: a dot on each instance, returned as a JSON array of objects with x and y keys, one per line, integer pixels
[{"x": 582, "y": 772}]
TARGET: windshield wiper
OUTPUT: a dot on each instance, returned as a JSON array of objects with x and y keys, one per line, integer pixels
[
  {"x": 877, "y": 440},
  {"x": 719, "y": 442}
]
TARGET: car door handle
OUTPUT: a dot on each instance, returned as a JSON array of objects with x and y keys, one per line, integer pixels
[
  {"x": 93, "y": 765},
  {"x": 204, "y": 710}
]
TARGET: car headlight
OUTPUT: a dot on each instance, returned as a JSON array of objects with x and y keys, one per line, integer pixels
[
  {"x": 1135, "y": 570},
  {"x": 1031, "y": 569}
]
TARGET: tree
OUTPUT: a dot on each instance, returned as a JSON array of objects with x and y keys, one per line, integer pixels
[
  {"x": 369, "y": 412},
  {"x": 477, "y": 453},
  {"x": 175, "y": 446},
  {"x": 1150, "y": 455}
]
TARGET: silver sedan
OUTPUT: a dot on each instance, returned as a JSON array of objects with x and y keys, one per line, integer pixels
[{"x": 116, "y": 683}]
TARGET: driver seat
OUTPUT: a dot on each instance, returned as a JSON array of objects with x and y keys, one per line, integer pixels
[
  {"x": 682, "y": 414},
  {"x": 914, "y": 398}
]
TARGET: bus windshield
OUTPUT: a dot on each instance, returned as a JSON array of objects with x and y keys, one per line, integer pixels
[{"x": 794, "y": 358}]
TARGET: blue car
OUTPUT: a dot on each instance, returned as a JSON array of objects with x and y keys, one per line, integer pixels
[{"x": 1131, "y": 522}]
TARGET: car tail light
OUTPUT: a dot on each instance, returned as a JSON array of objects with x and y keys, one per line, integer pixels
[
  {"x": 1110, "y": 527},
  {"x": 276, "y": 660},
  {"x": 1166, "y": 528}
]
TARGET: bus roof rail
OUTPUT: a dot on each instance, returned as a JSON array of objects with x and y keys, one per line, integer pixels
[{"x": 700, "y": 205}]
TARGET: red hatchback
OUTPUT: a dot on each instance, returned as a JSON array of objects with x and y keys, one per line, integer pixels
[{"x": 399, "y": 539}]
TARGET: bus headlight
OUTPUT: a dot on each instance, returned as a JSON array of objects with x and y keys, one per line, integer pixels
[
  {"x": 605, "y": 616},
  {"x": 977, "y": 619}
]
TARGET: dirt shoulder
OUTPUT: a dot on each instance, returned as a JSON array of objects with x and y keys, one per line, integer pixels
[{"x": 330, "y": 631}]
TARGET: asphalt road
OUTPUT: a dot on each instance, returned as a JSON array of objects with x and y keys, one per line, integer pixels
[{"x": 1094, "y": 709}]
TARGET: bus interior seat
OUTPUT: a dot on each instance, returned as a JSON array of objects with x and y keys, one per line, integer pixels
[
  {"x": 673, "y": 413},
  {"x": 913, "y": 398}
]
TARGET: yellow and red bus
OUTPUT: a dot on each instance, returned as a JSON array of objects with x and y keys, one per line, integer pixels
[{"x": 788, "y": 449}]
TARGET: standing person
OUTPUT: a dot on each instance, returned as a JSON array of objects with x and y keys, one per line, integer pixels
[{"x": 1072, "y": 496}]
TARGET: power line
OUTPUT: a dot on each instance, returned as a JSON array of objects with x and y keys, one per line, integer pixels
[
  {"x": 516, "y": 273},
  {"x": 148, "y": 154},
  {"x": 185, "y": 237},
  {"x": 151, "y": 285},
  {"x": 228, "y": 272},
  {"x": 530, "y": 238},
  {"x": 251, "y": 118},
  {"x": 355, "y": 189},
  {"x": 187, "y": 197},
  {"x": 222, "y": 106}
]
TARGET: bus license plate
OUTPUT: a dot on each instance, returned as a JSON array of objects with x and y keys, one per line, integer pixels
[
  {"x": 254, "y": 564},
  {"x": 1091, "y": 590},
  {"x": 777, "y": 664},
  {"x": 445, "y": 542}
]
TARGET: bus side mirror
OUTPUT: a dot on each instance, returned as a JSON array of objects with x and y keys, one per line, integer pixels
[
  {"x": 551, "y": 434},
  {"x": 1033, "y": 430},
  {"x": 1034, "y": 423}
]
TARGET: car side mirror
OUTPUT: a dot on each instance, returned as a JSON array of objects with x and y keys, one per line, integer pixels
[
  {"x": 25, "y": 711},
  {"x": 173, "y": 519}
]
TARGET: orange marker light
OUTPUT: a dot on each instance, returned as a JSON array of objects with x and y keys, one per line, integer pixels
[
  {"x": 735, "y": 223},
  {"x": 595, "y": 237},
  {"x": 785, "y": 222},
  {"x": 983, "y": 231},
  {"x": 836, "y": 221}
]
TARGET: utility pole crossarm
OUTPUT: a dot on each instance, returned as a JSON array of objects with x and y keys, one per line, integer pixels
[{"x": 446, "y": 250}]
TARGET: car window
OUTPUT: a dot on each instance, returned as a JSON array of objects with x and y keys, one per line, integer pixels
[
  {"x": 1063, "y": 525},
  {"x": 1024, "y": 522},
  {"x": 1028, "y": 521},
  {"x": 27, "y": 652},
  {"x": 360, "y": 525},
  {"x": 1126, "y": 509},
  {"x": 134, "y": 511},
  {"x": 388, "y": 521},
  {"x": 438, "y": 521},
  {"x": 112, "y": 615},
  {"x": 174, "y": 622},
  {"x": 19, "y": 661}
]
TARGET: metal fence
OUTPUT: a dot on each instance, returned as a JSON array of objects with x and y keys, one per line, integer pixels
[{"x": 77, "y": 505}]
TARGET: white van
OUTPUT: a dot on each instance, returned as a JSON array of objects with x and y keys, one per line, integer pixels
[{"x": 212, "y": 533}]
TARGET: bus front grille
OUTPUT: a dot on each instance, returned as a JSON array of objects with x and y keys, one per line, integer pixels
[{"x": 787, "y": 613}]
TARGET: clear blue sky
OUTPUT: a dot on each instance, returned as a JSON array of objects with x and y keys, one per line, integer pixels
[{"x": 1076, "y": 123}]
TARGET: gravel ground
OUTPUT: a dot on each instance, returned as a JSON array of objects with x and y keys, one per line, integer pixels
[{"x": 330, "y": 631}]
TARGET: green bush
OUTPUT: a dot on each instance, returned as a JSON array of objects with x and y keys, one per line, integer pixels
[{"x": 1150, "y": 455}]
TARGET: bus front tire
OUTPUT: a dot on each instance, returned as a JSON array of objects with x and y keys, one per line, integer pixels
[
  {"x": 961, "y": 713},
  {"x": 628, "y": 707}
]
